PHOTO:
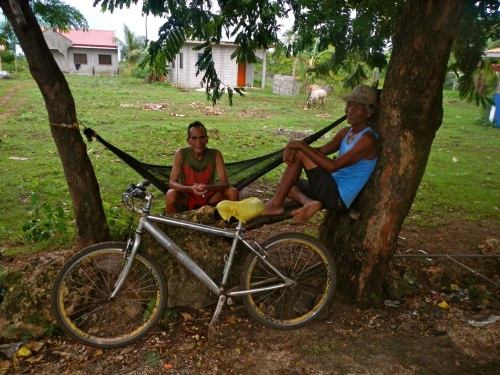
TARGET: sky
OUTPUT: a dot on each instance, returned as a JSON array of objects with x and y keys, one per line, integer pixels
[{"x": 131, "y": 17}]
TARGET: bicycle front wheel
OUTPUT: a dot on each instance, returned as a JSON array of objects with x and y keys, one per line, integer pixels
[
  {"x": 81, "y": 296},
  {"x": 305, "y": 261}
]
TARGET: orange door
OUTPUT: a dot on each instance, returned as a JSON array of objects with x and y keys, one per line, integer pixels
[{"x": 242, "y": 68}]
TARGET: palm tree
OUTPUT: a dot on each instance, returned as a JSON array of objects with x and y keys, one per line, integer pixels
[{"x": 132, "y": 48}]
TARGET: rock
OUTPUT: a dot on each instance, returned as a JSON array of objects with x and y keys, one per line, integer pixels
[
  {"x": 490, "y": 246},
  {"x": 25, "y": 311}
]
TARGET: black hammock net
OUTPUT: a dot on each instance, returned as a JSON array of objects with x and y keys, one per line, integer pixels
[{"x": 240, "y": 173}]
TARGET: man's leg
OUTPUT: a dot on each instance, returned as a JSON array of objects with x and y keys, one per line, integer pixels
[
  {"x": 309, "y": 206},
  {"x": 230, "y": 194},
  {"x": 174, "y": 198},
  {"x": 287, "y": 183}
]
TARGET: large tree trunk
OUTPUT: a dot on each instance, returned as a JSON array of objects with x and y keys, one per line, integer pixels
[
  {"x": 91, "y": 225},
  {"x": 410, "y": 114}
]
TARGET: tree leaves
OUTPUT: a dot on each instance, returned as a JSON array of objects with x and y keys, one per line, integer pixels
[
  {"x": 360, "y": 32},
  {"x": 58, "y": 15}
]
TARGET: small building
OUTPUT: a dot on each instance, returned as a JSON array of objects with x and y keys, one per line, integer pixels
[
  {"x": 90, "y": 52},
  {"x": 285, "y": 85},
  {"x": 182, "y": 71}
]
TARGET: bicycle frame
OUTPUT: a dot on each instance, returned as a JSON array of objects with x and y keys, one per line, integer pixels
[{"x": 147, "y": 224}]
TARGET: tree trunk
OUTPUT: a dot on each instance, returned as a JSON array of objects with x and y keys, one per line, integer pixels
[
  {"x": 410, "y": 114},
  {"x": 91, "y": 225}
]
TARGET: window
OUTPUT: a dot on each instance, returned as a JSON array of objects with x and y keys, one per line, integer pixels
[
  {"x": 104, "y": 59},
  {"x": 200, "y": 54},
  {"x": 181, "y": 60},
  {"x": 173, "y": 63},
  {"x": 80, "y": 58}
]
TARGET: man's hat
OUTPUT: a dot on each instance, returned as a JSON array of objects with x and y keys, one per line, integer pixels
[{"x": 363, "y": 94}]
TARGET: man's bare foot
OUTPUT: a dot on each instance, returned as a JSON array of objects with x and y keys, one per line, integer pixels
[
  {"x": 270, "y": 210},
  {"x": 307, "y": 211}
]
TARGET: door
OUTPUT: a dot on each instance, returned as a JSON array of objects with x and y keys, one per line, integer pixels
[{"x": 242, "y": 68}]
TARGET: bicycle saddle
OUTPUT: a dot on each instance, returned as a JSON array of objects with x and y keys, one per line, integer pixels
[{"x": 243, "y": 210}]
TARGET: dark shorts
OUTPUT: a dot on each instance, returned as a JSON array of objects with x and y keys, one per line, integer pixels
[{"x": 321, "y": 186}]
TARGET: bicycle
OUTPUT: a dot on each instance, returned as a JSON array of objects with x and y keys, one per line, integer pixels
[{"x": 110, "y": 294}]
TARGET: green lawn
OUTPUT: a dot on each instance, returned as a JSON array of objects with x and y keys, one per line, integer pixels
[{"x": 463, "y": 174}]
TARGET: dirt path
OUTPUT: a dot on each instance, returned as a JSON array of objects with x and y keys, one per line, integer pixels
[{"x": 5, "y": 101}]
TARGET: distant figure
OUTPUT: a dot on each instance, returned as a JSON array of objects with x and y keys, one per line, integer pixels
[
  {"x": 192, "y": 179},
  {"x": 331, "y": 183}
]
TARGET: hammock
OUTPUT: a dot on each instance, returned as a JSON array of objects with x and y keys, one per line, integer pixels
[{"x": 240, "y": 173}]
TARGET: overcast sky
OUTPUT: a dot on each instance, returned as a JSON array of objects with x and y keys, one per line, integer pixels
[{"x": 131, "y": 17}]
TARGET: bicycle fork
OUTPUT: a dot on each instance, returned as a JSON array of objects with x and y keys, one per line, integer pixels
[{"x": 128, "y": 265}]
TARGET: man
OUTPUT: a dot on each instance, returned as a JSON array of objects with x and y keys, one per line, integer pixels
[
  {"x": 192, "y": 179},
  {"x": 331, "y": 183}
]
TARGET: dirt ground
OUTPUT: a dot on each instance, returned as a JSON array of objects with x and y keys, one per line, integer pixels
[{"x": 413, "y": 334}]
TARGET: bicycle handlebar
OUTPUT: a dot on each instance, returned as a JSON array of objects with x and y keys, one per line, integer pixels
[{"x": 137, "y": 191}]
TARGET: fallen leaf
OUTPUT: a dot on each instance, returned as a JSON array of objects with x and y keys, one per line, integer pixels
[{"x": 186, "y": 316}]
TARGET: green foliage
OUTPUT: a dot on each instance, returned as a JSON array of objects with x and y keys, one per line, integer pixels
[
  {"x": 149, "y": 310},
  {"x": 169, "y": 315},
  {"x": 46, "y": 221},
  {"x": 153, "y": 358},
  {"x": 132, "y": 48},
  {"x": 7, "y": 36},
  {"x": 358, "y": 35},
  {"x": 119, "y": 220},
  {"x": 58, "y": 15},
  {"x": 7, "y": 57},
  {"x": 321, "y": 348}
]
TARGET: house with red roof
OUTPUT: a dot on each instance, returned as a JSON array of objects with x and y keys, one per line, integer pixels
[{"x": 89, "y": 52}]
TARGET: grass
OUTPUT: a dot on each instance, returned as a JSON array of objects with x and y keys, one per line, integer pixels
[{"x": 462, "y": 177}]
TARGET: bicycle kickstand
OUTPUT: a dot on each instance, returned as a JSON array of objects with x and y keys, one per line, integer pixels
[{"x": 211, "y": 326}]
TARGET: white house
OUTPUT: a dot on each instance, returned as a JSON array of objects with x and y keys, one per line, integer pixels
[
  {"x": 91, "y": 52},
  {"x": 183, "y": 68}
]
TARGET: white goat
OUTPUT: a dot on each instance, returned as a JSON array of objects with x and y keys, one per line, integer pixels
[
  {"x": 317, "y": 98},
  {"x": 311, "y": 88}
]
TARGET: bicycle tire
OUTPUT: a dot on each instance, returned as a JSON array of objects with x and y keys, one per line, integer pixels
[
  {"x": 80, "y": 297},
  {"x": 304, "y": 260}
]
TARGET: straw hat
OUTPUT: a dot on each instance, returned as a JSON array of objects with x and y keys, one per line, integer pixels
[{"x": 363, "y": 94}]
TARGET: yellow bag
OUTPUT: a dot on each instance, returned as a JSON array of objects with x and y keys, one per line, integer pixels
[{"x": 243, "y": 210}]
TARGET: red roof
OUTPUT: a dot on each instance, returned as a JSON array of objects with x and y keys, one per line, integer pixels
[{"x": 92, "y": 38}]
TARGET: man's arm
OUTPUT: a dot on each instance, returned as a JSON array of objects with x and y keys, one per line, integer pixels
[
  {"x": 317, "y": 155},
  {"x": 365, "y": 148}
]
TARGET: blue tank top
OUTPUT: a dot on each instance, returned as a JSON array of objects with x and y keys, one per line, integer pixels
[{"x": 351, "y": 179}]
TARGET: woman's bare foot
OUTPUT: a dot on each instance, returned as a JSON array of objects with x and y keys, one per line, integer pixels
[
  {"x": 307, "y": 211},
  {"x": 271, "y": 210}
]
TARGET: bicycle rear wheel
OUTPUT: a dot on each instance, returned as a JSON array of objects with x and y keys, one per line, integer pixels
[
  {"x": 304, "y": 260},
  {"x": 81, "y": 296}
]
